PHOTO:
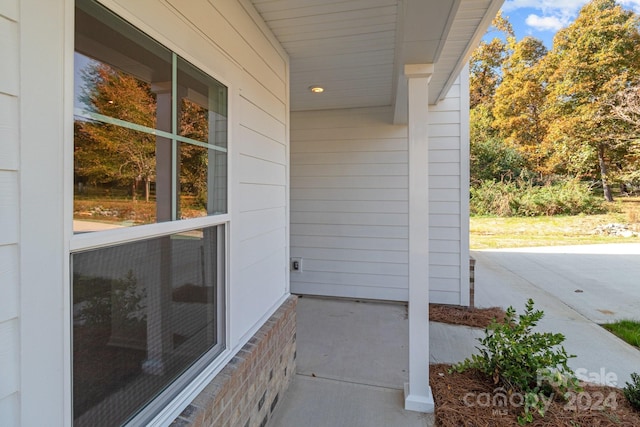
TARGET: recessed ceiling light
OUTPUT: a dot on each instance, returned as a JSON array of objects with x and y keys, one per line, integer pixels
[{"x": 316, "y": 89}]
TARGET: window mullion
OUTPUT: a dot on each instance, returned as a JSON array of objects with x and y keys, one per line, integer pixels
[
  {"x": 174, "y": 131},
  {"x": 97, "y": 117}
]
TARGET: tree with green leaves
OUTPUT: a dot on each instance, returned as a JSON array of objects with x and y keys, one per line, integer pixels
[
  {"x": 591, "y": 61},
  {"x": 518, "y": 103},
  {"x": 491, "y": 159}
]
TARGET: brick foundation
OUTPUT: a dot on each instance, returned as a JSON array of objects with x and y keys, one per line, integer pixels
[
  {"x": 247, "y": 390},
  {"x": 472, "y": 281}
]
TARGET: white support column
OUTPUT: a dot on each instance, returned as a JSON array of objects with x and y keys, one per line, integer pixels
[{"x": 418, "y": 395}]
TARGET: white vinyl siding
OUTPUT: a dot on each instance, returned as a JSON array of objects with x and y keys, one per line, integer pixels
[
  {"x": 9, "y": 215},
  {"x": 9, "y": 50},
  {"x": 262, "y": 223},
  {"x": 349, "y": 204},
  {"x": 9, "y": 372},
  {"x": 448, "y": 197},
  {"x": 8, "y": 131},
  {"x": 9, "y": 200},
  {"x": 227, "y": 40}
]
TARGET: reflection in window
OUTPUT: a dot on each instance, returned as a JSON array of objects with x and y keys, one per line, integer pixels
[
  {"x": 203, "y": 106},
  {"x": 150, "y": 129},
  {"x": 143, "y": 313},
  {"x": 150, "y": 145},
  {"x": 194, "y": 166},
  {"x": 118, "y": 165}
]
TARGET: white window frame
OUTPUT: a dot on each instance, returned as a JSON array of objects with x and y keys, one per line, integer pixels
[{"x": 152, "y": 414}]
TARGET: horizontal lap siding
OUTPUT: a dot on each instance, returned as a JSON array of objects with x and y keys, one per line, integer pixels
[
  {"x": 228, "y": 40},
  {"x": 9, "y": 213},
  {"x": 262, "y": 222},
  {"x": 349, "y": 204},
  {"x": 448, "y": 278}
]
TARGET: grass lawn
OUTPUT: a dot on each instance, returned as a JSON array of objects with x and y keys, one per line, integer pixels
[
  {"x": 628, "y": 330},
  {"x": 515, "y": 232}
]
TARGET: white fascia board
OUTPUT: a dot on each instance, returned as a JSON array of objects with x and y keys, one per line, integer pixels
[
  {"x": 400, "y": 84},
  {"x": 481, "y": 29}
]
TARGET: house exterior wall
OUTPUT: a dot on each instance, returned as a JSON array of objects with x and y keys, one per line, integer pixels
[
  {"x": 229, "y": 41},
  {"x": 449, "y": 196},
  {"x": 9, "y": 209},
  {"x": 247, "y": 391},
  {"x": 349, "y": 202}
]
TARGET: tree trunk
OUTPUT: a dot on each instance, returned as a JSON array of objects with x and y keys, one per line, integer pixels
[
  {"x": 147, "y": 189},
  {"x": 623, "y": 189},
  {"x": 603, "y": 173}
]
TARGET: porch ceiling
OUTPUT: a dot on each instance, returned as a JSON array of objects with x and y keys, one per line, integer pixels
[{"x": 356, "y": 49}]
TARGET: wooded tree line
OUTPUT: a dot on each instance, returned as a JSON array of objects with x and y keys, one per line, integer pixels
[
  {"x": 569, "y": 112},
  {"x": 118, "y": 157}
]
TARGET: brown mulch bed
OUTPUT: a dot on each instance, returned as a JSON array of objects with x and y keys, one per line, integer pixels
[
  {"x": 470, "y": 399},
  {"x": 468, "y": 316}
]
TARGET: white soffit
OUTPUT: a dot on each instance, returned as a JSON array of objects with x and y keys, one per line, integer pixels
[{"x": 356, "y": 49}]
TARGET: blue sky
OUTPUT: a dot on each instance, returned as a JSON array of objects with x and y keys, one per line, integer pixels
[{"x": 543, "y": 18}]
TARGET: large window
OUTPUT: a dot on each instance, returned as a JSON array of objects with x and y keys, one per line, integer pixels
[
  {"x": 150, "y": 146},
  {"x": 150, "y": 129},
  {"x": 143, "y": 313}
]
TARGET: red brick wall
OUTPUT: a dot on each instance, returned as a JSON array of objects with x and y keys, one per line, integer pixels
[{"x": 247, "y": 390}]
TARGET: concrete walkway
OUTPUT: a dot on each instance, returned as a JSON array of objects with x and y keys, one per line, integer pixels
[
  {"x": 578, "y": 287},
  {"x": 352, "y": 356},
  {"x": 601, "y": 282}
]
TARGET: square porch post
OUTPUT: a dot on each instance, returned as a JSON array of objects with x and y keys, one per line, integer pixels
[{"x": 418, "y": 396}]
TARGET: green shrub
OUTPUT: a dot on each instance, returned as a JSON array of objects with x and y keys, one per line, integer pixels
[
  {"x": 492, "y": 159},
  {"x": 119, "y": 303},
  {"x": 493, "y": 198},
  {"x": 632, "y": 391},
  {"x": 521, "y": 360},
  {"x": 523, "y": 198}
]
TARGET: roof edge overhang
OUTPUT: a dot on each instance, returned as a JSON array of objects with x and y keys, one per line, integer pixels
[{"x": 405, "y": 52}]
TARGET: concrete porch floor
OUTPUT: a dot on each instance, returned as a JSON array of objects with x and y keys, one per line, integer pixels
[
  {"x": 352, "y": 356},
  {"x": 352, "y": 365}
]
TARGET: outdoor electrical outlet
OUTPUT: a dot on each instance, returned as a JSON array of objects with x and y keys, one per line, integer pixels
[{"x": 296, "y": 264}]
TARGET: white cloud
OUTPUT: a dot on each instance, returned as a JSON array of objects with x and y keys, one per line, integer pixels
[
  {"x": 560, "y": 8},
  {"x": 631, "y": 4},
  {"x": 549, "y": 7},
  {"x": 545, "y": 23},
  {"x": 553, "y": 15}
]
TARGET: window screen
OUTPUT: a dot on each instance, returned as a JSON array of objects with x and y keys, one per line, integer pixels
[{"x": 143, "y": 313}]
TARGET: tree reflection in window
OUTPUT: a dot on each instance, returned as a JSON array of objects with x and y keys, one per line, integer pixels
[
  {"x": 118, "y": 159},
  {"x": 131, "y": 166}
]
